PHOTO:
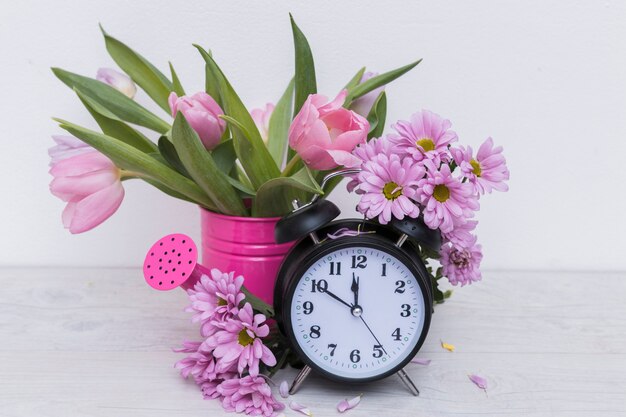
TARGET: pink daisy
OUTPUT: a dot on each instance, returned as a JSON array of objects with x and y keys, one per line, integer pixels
[
  {"x": 366, "y": 152},
  {"x": 215, "y": 299},
  {"x": 426, "y": 136},
  {"x": 461, "y": 264},
  {"x": 387, "y": 185},
  {"x": 239, "y": 342},
  {"x": 444, "y": 198},
  {"x": 200, "y": 364},
  {"x": 250, "y": 395},
  {"x": 461, "y": 233},
  {"x": 209, "y": 387},
  {"x": 487, "y": 171}
]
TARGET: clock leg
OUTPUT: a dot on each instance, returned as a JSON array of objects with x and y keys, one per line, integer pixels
[
  {"x": 408, "y": 383},
  {"x": 304, "y": 372}
]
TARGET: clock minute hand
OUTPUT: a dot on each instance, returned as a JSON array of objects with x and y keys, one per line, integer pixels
[{"x": 337, "y": 298}]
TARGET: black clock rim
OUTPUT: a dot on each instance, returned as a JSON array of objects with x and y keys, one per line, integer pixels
[{"x": 371, "y": 241}]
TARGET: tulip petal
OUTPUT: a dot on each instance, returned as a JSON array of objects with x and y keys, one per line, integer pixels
[
  {"x": 478, "y": 380},
  {"x": 283, "y": 389},
  {"x": 300, "y": 408},
  {"x": 421, "y": 361},
  {"x": 345, "y": 405},
  {"x": 68, "y": 213},
  {"x": 344, "y": 158},
  {"x": 81, "y": 164},
  {"x": 83, "y": 185},
  {"x": 96, "y": 208}
]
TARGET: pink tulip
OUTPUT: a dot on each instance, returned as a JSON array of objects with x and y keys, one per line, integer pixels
[
  {"x": 66, "y": 146},
  {"x": 90, "y": 184},
  {"x": 363, "y": 104},
  {"x": 261, "y": 119},
  {"x": 121, "y": 82},
  {"x": 203, "y": 114},
  {"x": 324, "y": 133}
]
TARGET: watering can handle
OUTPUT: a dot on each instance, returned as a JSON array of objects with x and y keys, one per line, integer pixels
[{"x": 341, "y": 172}]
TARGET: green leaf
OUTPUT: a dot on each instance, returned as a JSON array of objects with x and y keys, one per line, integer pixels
[
  {"x": 115, "y": 103},
  {"x": 377, "y": 81},
  {"x": 142, "y": 72},
  {"x": 168, "y": 152},
  {"x": 274, "y": 197},
  {"x": 224, "y": 156},
  {"x": 202, "y": 168},
  {"x": 255, "y": 160},
  {"x": 168, "y": 191},
  {"x": 377, "y": 116},
  {"x": 211, "y": 83},
  {"x": 279, "y": 126},
  {"x": 305, "y": 68},
  {"x": 257, "y": 304},
  {"x": 131, "y": 159},
  {"x": 438, "y": 295},
  {"x": 176, "y": 85},
  {"x": 251, "y": 151},
  {"x": 116, "y": 128},
  {"x": 356, "y": 79}
]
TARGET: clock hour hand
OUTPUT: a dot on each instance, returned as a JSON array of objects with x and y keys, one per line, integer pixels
[
  {"x": 337, "y": 298},
  {"x": 355, "y": 289}
]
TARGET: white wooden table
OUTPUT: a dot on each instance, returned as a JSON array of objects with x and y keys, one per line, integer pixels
[{"x": 97, "y": 342}]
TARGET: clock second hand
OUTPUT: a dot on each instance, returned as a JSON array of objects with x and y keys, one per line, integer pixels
[{"x": 370, "y": 330}]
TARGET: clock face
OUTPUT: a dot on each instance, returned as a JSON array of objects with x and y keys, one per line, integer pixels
[{"x": 358, "y": 312}]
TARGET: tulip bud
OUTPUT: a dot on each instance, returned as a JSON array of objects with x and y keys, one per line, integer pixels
[
  {"x": 203, "y": 115},
  {"x": 117, "y": 80}
]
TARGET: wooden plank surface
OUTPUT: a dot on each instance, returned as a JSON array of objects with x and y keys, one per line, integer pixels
[{"x": 97, "y": 342}]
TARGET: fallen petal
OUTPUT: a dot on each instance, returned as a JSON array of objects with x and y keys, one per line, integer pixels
[
  {"x": 447, "y": 346},
  {"x": 421, "y": 361},
  {"x": 300, "y": 408},
  {"x": 478, "y": 380},
  {"x": 283, "y": 389},
  {"x": 345, "y": 405}
]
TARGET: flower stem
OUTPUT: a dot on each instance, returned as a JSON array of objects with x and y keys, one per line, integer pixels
[{"x": 291, "y": 165}]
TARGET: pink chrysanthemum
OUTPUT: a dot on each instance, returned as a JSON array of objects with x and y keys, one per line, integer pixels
[
  {"x": 366, "y": 152},
  {"x": 239, "y": 342},
  {"x": 461, "y": 233},
  {"x": 487, "y": 171},
  {"x": 387, "y": 185},
  {"x": 200, "y": 363},
  {"x": 426, "y": 136},
  {"x": 461, "y": 264},
  {"x": 250, "y": 395},
  {"x": 444, "y": 198},
  {"x": 209, "y": 387},
  {"x": 215, "y": 299}
]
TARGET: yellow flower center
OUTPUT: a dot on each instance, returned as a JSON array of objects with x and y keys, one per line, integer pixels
[
  {"x": 391, "y": 190},
  {"x": 427, "y": 144},
  {"x": 221, "y": 301},
  {"x": 476, "y": 167},
  {"x": 244, "y": 338},
  {"x": 441, "y": 193}
]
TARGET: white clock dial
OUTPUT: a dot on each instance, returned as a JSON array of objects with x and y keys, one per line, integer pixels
[{"x": 352, "y": 342}]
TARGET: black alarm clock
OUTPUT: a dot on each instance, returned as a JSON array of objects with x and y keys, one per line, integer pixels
[{"x": 352, "y": 296}]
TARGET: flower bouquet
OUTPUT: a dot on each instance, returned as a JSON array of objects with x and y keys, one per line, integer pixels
[{"x": 228, "y": 160}]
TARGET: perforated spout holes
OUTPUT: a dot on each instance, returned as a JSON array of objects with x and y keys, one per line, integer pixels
[{"x": 170, "y": 262}]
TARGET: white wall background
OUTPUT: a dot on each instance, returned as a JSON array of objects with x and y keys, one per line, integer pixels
[{"x": 546, "y": 79}]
